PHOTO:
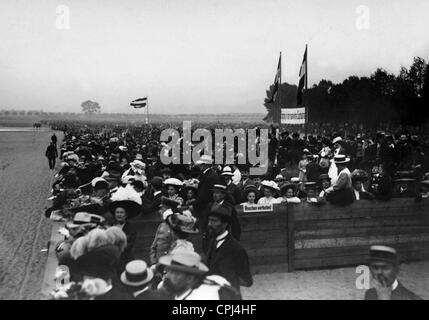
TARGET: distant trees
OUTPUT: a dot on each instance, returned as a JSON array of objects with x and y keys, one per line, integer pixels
[
  {"x": 90, "y": 107},
  {"x": 380, "y": 98}
]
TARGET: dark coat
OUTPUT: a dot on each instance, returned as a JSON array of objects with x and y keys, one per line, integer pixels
[
  {"x": 400, "y": 293},
  {"x": 131, "y": 233},
  {"x": 230, "y": 261},
  {"x": 151, "y": 203},
  {"x": 234, "y": 194},
  {"x": 234, "y": 224},
  {"x": 51, "y": 151},
  {"x": 205, "y": 193}
]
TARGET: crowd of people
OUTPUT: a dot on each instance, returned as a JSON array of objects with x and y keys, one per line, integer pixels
[{"x": 111, "y": 174}]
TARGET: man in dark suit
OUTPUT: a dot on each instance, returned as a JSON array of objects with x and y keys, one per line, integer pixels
[
  {"x": 234, "y": 193},
  {"x": 208, "y": 179},
  {"x": 384, "y": 268},
  {"x": 51, "y": 153},
  {"x": 151, "y": 197},
  {"x": 225, "y": 256}
]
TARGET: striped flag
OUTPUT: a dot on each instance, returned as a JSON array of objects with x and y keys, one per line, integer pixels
[
  {"x": 139, "y": 103},
  {"x": 302, "y": 79},
  {"x": 277, "y": 80}
]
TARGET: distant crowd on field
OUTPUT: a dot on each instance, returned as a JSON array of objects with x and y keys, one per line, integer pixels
[{"x": 111, "y": 175}]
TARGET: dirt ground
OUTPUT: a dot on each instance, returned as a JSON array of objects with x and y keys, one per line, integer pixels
[
  {"x": 332, "y": 284},
  {"x": 24, "y": 231}
]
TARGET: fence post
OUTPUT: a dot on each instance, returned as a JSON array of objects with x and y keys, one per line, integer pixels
[{"x": 290, "y": 238}]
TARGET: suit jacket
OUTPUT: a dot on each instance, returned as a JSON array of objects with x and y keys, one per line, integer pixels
[
  {"x": 234, "y": 193},
  {"x": 230, "y": 261},
  {"x": 400, "y": 293},
  {"x": 150, "y": 202},
  {"x": 131, "y": 233},
  {"x": 205, "y": 193}
]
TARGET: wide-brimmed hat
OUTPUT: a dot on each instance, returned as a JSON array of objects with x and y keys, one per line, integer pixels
[
  {"x": 185, "y": 261},
  {"x": 341, "y": 159},
  {"x": 337, "y": 139},
  {"x": 173, "y": 182},
  {"x": 287, "y": 186},
  {"x": 227, "y": 171},
  {"x": 205, "y": 159},
  {"x": 139, "y": 156},
  {"x": 127, "y": 198},
  {"x": 279, "y": 177},
  {"x": 81, "y": 218},
  {"x": 294, "y": 180},
  {"x": 359, "y": 175},
  {"x": 99, "y": 183},
  {"x": 310, "y": 185},
  {"x": 191, "y": 184},
  {"x": 136, "y": 274},
  {"x": 250, "y": 188},
  {"x": 183, "y": 222},
  {"x": 270, "y": 184},
  {"x": 171, "y": 203},
  {"x": 220, "y": 187},
  {"x": 137, "y": 164}
]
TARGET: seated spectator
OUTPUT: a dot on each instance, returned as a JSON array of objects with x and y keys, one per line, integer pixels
[
  {"x": 269, "y": 189},
  {"x": 325, "y": 183},
  {"x": 359, "y": 192},
  {"x": 250, "y": 194},
  {"x": 340, "y": 193},
  {"x": 288, "y": 194},
  {"x": 381, "y": 184}
]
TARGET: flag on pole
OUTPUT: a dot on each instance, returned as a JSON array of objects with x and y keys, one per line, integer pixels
[
  {"x": 302, "y": 79},
  {"x": 277, "y": 80},
  {"x": 139, "y": 103}
]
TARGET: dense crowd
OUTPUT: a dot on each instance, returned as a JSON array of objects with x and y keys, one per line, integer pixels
[{"x": 111, "y": 174}]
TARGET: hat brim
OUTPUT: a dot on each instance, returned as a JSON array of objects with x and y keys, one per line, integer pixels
[
  {"x": 148, "y": 279},
  {"x": 167, "y": 261},
  {"x": 347, "y": 160},
  {"x": 132, "y": 208},
  {"x": 219, "y": 189},
  {"x": 90, "y": 208},
  {"x": 227, "y": 174}
]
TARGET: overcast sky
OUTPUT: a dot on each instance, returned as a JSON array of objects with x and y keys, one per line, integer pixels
[{"x": 192, "y": 56}]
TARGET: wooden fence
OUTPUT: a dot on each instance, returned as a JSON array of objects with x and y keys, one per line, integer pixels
[{"x": 304, "y": 236}]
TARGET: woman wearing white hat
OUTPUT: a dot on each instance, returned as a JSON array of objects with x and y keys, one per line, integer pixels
[
  {"x": 270, "y": 188},
  {"x": 341, "y": 191},
  {"x": 173, "y": 187}
]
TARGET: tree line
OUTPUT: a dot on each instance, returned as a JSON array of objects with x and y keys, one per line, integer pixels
[{"x": 380, "y": 98}]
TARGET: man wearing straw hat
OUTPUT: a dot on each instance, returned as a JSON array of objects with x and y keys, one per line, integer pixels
[
  {"x": 208, "y": 178},
  {"x": 233, "y": 191},
  {"x": 186, "y": 279},
  {"x": 341, "y": 192},
  {"x": 384, "y": 267}
]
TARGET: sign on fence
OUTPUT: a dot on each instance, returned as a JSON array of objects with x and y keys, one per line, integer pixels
[{"x": 257, "y": 208}]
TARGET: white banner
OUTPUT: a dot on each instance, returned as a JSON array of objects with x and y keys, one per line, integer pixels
[
  {"x": 257, "y": 208},
  {"x": 293, "y": 116}
]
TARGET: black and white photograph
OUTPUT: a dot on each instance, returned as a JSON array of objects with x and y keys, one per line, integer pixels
[{"x": 239, "y": 150}]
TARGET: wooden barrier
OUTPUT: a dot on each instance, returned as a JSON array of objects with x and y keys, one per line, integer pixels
[
  {"x": 332, "y": 236},
  {"x": 305, "y": 236}
]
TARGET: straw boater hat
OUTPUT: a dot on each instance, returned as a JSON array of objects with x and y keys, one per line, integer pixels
[
  {"x": 99, "y": 183},
  {"x": 220, "y": 187},
  {"x": 173, "y": 182},
  {"x": 279, "y": 178},
  {"x": 270, "y": 184},
  {"x": 205, "y": 159},
  {"x": 383, "y": 253},
  {"x": 136, "y": 274},
  {"x": 139, "y": 156},
  {"x": 341, "y": 159},
  {"x": 183, "y": 222},
  {"x": 337, "y": 139},
  {"x": 81, "y": 218},
  {"x": 294, "y": 180},
  {"x": 185, "y": 261},
  {"x": 127, "y": 198},
  {"x": 227, "y": 171},
  {"x": 138, "y": 165}
]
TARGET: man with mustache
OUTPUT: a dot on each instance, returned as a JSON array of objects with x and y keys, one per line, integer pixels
[
  {"x": 384, "y": 268},
  {"x": 225, "y": 256}
]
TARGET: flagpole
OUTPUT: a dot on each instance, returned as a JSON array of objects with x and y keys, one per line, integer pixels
[
  {"x": 279, "y": 113},
  {"x": 306, "y": 88},
  {"x": 147, "y": 110}
]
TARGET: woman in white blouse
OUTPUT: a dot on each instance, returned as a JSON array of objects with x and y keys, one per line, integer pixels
[{"x": 269, "y": 189}]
